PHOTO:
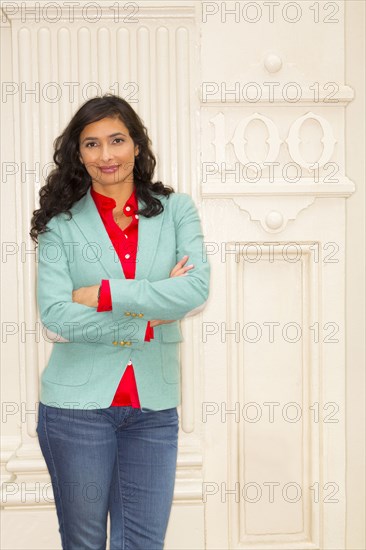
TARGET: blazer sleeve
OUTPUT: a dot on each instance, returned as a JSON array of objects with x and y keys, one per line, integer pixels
[
  {"x": 68, "y": 320},
  {"x": 175, "y": 297}
]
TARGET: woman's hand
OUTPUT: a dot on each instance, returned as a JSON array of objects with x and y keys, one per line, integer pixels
[
  {"x": 179, "y": 270},
  {"x": 86, "y": 295}
]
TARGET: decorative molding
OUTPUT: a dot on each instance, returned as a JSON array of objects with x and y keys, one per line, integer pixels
[
  {"x": 157, "y": 55},
  {"x": 31, "y": 484},
  {"x": 47, "y": 13},
  {"x": 270, "y": 77},
  {"x": 286, "y": 202},
  {"x": 306, "y": 187},
  {"x": 342, "y": 98},
  {"x": 4, "y": 19},
  {"x": 274, "y": 141},
  {"x": 8, "y": 445},
  {"x": 328, "y": 140},
  {"x": 273, "y": 217},
  {"x": 311, "y": 436}
]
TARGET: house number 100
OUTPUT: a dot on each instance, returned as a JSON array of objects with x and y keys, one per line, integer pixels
[{"x": 274, "y": 141}]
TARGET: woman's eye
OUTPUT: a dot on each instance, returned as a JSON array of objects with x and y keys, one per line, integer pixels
[{"x": 90, "y": 143}]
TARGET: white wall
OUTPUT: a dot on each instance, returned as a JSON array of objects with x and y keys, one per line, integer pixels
[
  {"x": 355, "y": 276},
  {"x": 186, "y": 133}
]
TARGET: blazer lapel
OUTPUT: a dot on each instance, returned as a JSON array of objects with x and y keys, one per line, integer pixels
[
  {"x": 87, "y": 219},
  {"x": 148, "y": 240}
]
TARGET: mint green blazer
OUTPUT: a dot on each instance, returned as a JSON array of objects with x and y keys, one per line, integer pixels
[{"x": 91, "y": 349}]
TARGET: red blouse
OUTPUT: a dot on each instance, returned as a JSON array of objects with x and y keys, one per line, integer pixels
[{"x": 125, "y": 244}]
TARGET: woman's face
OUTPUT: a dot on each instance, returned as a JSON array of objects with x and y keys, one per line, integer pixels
[{"x": 108, "y": 152}]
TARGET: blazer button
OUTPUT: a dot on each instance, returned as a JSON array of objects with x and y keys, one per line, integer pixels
[
  {"x": 127, "y": 313},
  {"x": 114, "y": 343},
  {"x": 140, "y": 314},
  {"x": 133, "y": 314},
  {"x": 122, "y": 343},
  {"x": 128, "y": 343}
]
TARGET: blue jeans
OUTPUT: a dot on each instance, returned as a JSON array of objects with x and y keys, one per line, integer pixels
[{"x": 118, "y": 460}]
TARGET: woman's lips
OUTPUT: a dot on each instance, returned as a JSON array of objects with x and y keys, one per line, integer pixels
[{"x": 108, "y": 169}]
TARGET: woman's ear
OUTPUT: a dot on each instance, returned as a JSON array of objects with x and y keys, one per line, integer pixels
[{"x": 137, "y": 151}]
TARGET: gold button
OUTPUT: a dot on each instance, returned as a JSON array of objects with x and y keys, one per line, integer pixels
[
  {"x": 122, "y": 343},
  {"x": 141, "y": 315},
  {"x": 128, "y": 343},
  {"x": 114, "y": 343},
  {"x": 127, "y": 313},
  {"x": 133, "y": 314}
]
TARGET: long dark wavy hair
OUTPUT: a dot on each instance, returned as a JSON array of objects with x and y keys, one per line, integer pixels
[{"x": 69, "y": 181}]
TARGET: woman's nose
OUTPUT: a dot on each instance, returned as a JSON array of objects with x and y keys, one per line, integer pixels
[{"x": 105, "y": 153}]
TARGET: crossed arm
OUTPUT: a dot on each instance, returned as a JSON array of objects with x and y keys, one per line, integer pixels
[
  {"x": 88, "y": 295},
  {"x": 68, "y": 311}
]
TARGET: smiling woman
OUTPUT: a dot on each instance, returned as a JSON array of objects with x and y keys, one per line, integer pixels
[
  {"x": 118, "y": 315},
  {"x": 108, "y": 154}
]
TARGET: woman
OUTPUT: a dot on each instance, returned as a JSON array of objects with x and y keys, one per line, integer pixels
[{"x": 113, "y": 282}]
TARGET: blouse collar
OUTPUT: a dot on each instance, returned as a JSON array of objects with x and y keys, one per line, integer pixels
[{"x": 107, "y": 203}]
